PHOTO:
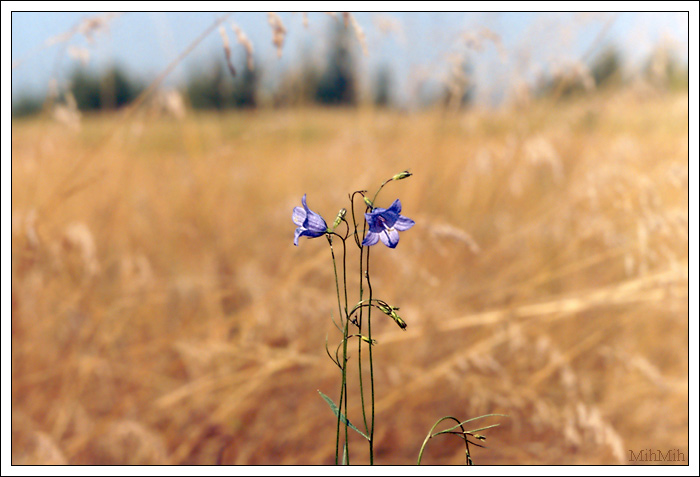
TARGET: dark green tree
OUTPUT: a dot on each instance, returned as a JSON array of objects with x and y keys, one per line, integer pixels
[
  {"x": 245, "y": 89},
  {"x": 382, "y": 87},
  {"x": 205, "y": 87},
  {"x": 26, "y": 104},
  {"x": 85, "y": 87},
  {"x": 606, "y": 68},
  {"x": 109, "y": 90},
  {"x": 213, "y": 87},
  {"x": 337, "y": 85}
]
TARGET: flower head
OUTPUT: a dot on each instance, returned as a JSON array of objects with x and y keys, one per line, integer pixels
[
  {"x": 310, "y": 224},
  {"x": 385, "y": 225}
]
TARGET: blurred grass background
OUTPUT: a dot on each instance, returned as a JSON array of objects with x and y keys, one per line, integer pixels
[{"x": 162, "y": 315}]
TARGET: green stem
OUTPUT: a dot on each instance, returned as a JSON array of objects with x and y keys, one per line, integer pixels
[
  {"x": 371, "y": 364},
  {"x": 335, "y": 272},
  {"x": 362, "y": 389},
  {"x": 364, "y": 275},
  {"x": 345, "y": 351},
  {"x": 359, "y": 325},
  {"x": 380, "y": 189},
  {"x": 343, "y": 385},
  {"x": 430, "y": 435}
]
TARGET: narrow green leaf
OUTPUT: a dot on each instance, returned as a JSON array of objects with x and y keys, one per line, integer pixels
[
  {"x": 337, "y": 412},
  {"x": 448, "y": 431},
  {"x": 336, "y": 324},
  {"x": 331, "y": 357},
  {"x": 469, "y": 420},
  {"x": 483, "y": 428}
]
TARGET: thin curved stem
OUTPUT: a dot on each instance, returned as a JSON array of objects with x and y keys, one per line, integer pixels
[
  {"x": 380, "y": 189},
  {"x": 354, "y": 223},
  {"x": 430, "y": 435},
  {"x": 335, "y": 272}
]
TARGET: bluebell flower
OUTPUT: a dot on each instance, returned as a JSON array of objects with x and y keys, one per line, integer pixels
[
  {"x": 310, "y": 224},
  {"x": 385, "y": 225}
]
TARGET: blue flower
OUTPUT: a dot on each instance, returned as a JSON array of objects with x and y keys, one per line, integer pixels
[
  {"x": 310, "y": 224},
  {"x": 385, "y": 225}
]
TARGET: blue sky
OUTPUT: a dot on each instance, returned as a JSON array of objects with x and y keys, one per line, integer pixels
[{"x": 145, "y": 43}]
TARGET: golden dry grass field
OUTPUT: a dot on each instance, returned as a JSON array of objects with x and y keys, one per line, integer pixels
[{"x": 162, "y": 315}]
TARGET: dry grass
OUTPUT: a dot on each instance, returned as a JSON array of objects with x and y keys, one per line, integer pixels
[{"x": 161, "y": 313}]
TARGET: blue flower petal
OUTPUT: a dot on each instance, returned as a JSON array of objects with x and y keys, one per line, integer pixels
[
  {"x": 373, "y": 221},
  {"x": 385, "y": 224},
  {"x": 390, "y": 238},
  {"x": 298, "y": 216},
  {"x": 403, "y": 223},
  {"x": 380, "y": 219},
  {"x": 315, "y": 224},
  {"x": 370, "y": 239},
  {"x": 395, "y": 208},
  {"x": 297, "y": 234},
  {"x": 390, "y": 217},
  {"x": 310, "y": 224}
]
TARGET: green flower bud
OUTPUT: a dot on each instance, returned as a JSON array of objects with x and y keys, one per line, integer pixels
[
  {"x": 401, "y": 175},
  {"x": 339, "y": 217},
  {"x": 391, "y": 312},
  {"x": 384, "y": 308},
  {"x": 368, "y": 202},
  {"x": 398, "y": 320},
  {"x": 367, "y": 340}
]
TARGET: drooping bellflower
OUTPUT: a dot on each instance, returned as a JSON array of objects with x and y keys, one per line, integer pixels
[{"x": 310, "y": 224}]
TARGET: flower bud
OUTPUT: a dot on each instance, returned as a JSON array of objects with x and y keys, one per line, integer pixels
[
  {"x": 367, "y": 340},
  {"x": 339, "y": 217},
  {"x": 384, "y": 308},
  {"x": 401, "y": 175},
  {"x": 398, "y": 320},
  {"x": 368, "y": 202},
  {"x": 391, "y": 312}
]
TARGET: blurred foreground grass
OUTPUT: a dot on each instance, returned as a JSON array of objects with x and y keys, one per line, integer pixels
[{"x": 161, "y": 313}]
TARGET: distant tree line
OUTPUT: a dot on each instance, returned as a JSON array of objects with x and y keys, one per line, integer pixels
[
  {"x": 111, "y": 89},
  {"x": 605, "y": 71},
  {"x": 335, "y": 83}
]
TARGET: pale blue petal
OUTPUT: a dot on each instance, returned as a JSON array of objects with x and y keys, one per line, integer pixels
[
  {"x": 298, "y": 216},
  {"x": 310, "y": 223},
  {"x": 390, "y": 238},
  {"x": 297, "y": 234},
  {"x": 370, "y": 239},
  {"x": 403, "y": 223}
]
